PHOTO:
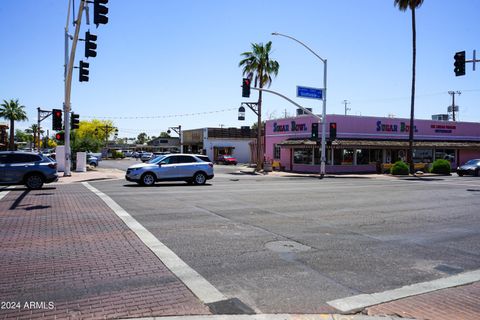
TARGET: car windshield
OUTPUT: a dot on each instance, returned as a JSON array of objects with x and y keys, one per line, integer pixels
[{"x": 472, "y": 162}]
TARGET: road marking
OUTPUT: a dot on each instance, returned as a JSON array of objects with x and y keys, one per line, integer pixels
[
  {"x": 359, "y": 302},
  {"x": 203, "y": 289},
  {"x": 3, "y": 194}
]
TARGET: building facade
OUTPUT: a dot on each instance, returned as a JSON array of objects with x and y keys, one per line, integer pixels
[
  {"x": 365, "y": 144},
  {"x": 219, "y": 141}
]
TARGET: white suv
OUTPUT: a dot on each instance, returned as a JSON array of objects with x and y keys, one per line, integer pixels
[{"x": 171, "y": 167}]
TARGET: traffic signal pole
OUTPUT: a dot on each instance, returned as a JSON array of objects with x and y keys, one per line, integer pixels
[{"x": 70, "y": 58}]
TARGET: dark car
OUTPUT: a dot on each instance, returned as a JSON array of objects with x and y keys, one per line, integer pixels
[
  {"x": 226, "y": 159},
  {"x": 28, "y": 168},
  {"x": 470, "y": 167}
]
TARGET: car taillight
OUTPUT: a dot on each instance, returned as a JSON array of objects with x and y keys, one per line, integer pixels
[{"x": 52, "y": 165}]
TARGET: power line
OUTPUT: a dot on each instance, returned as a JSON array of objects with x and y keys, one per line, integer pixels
[{"x": 164, "y": 116}]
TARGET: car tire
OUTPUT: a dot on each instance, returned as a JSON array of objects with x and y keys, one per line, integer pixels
[
  {"x": 34, "y": 181},
  {"x": 148, "y": 179},
  {"x": 460, "y": 174},
  {"x": 476, "y": 173},
  {"x": 199, "y": 178},
  {"x": 93, "y": 164}
]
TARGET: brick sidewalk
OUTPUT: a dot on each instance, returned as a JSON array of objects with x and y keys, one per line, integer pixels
[
  {"x": 64, "y": 254},
  {"x": 459, "y": 303}
]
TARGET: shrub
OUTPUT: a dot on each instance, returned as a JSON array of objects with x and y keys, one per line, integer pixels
[
  {"x": 399, "y": 168},
  {"x": 117, "y": 154},
  {"x": 441, "y": 166}
]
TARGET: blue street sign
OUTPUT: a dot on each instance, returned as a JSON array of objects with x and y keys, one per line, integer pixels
[{"x": 312, "y": 93}]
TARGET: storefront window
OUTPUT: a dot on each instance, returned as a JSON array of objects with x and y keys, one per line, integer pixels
[
  {"x": 302, "y": 156},
  {"x": 276, "y": 151},
  {"x": 343, "y": 157},
  {"x": 376, "y": 155},
  {"x": 423, "y": 155},
  {"x": 362, "y": 156},
  {"x": 447, "y": 154}
]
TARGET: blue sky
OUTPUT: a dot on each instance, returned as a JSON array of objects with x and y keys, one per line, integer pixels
[{"x": 168, "y": 63}]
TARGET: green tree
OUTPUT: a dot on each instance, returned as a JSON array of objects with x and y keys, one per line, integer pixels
[
  {"x": 13, "y": 111},
  {"x": 403, "y": 5},
  {"x": 33, "y": 130},
  {"x": 142, "y": 138},
  {"x": 21, "y": 136},
  {"x": 164, "y": 134},
  {"x": 257, "y": 65}
]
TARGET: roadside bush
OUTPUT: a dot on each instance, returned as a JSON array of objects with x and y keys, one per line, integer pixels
[
  {"x": 399, "y": 168},
  {"x": 117, "y": 155},
  {"x": 441, "y": 166}
]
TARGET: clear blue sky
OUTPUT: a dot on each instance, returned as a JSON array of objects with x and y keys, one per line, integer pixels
[{"x": 161, "y": 60}]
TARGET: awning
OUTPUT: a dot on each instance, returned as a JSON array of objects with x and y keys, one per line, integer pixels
[
  {"x": 298, "y": 143},
  {"x": 404, "y": 144}
]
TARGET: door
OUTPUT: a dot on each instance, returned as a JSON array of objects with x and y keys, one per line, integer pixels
[
  {"x": 186, "y": 166},
  {"x": 167, "y": 168}
]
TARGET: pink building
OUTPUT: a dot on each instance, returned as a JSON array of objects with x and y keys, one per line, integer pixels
[{"x": 363, "y": 143}]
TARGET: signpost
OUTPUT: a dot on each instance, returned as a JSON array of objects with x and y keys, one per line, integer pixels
[{"x": 311, "y": 93}]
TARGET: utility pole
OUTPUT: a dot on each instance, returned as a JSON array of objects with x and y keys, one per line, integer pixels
[
  {"x": 346, "y": 102},
  {"x": 453, "y": 93}
]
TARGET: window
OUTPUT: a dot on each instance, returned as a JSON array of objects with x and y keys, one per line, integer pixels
[
  {"x": 376, "y": 155},
  {"x": 276, "y": 151},
  {"x": 302, "y": 156},
  {"x": 362, "y": 156},
  {"x": 186, "y": 159},
  {"x": 447, "y": 154},
  {"x": 343, "y": 156},
  {"x": 423, "y": 155}
]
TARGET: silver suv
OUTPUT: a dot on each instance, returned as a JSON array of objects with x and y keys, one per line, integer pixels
[
  {"x": 28, "y": 168},
  {"x": 171, "y": 167}
]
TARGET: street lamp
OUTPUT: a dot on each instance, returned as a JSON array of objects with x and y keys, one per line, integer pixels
[{"x": 324, "y": 96}]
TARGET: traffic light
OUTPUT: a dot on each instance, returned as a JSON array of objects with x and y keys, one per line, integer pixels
[
  {"x": 100, "y": 12},
  {"x": 90, "y": 45},
  {"x": 315, "y": 130},
  {"x": 83, "y": 74},
  {"x": 459, "y": 63},
  {"x": 60, "y": 136},
  {"x": 246, "y": 88},
  {"x": 74, "y": 121},
  {"x": 333, "y": 131},
  {"x": 57, "y": 119}
]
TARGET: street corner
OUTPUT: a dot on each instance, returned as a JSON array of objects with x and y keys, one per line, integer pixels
[{"x": 91, "y": 175}]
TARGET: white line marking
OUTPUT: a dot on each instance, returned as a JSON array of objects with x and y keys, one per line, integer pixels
[
  {"x": 203, "y": 289},
  {"x": 3, "y": 194},
  {"x": 273, "y": 317},
  {"x": 362, "y": 301}
]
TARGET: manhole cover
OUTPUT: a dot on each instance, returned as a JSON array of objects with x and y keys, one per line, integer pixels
[{"x": 286, "y": 246}]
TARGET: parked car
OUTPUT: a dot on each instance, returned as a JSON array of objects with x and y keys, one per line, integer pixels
[
  {"x": 226, "y": 159},
  {"x": 93, "y": 161},
  {"x": 470, "y": 167},
  {"x": 28, "y": 168},
  {"x": 171, "y": 167},
  {"x": 146, "y": 156}
]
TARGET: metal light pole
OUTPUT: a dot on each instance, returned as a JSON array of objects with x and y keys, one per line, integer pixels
[{"x": 324, "y": 106}]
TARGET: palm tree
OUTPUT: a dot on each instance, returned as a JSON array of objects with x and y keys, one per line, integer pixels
[
  {"x": 403, "y": 5},
  {"x": 36, "y": 134},
  {"x": 13, "y": 111},
  {"x": 257, "y": 64}
]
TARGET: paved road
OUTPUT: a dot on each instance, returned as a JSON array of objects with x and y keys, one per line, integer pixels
[{"x": 291, "y": 244}]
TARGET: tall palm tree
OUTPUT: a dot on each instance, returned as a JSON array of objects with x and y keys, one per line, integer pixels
[
  {"x": 257, "y": 64},
  {"x": 13, "y": 111},
  {"x": 403, "y": 5},
  {"x": 34, "y": 129}
]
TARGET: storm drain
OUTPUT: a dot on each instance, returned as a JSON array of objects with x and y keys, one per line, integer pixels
[{"x": 286, "y": 246}]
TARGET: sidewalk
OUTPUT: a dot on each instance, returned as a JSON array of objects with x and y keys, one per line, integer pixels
[{"x": 91, "y": 175}]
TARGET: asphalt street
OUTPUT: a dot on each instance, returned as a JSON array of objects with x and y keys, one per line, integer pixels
[{"x": 289, "y": 245}]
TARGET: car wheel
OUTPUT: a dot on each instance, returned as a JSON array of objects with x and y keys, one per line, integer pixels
[
  {"x": 200, "y": 178},
  {"x": 34, "y": 181},
  {"x": 148, "y": 179},
  {"x": 93, "y": 164},
  {"x": 460, "y": 174},
  {"x": 476, "y": 173}
]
